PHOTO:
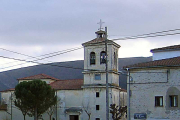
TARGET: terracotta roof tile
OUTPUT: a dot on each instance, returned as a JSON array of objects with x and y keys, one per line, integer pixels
[
  {"x": 96, "y": 40},
  {"x": 124, "y": 90},
  {"x": 67, "y": 84},
  {"x": 168, "y": 48},
  {"x": 100, "y": 40},
  {"x": 11, "y": 89},
  {"x": 157, "y": 63},
  {"x": 39, "y": 76}
]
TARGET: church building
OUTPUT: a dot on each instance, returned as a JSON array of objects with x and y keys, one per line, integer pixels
[{"x": 80, "y": 99}]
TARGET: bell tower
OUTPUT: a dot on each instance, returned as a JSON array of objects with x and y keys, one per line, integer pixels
[{"x": 95, "y": 60}]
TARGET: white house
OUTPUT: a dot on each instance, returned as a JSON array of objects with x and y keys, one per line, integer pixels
[
  {"x": 154, "y": 87},
  {"x": 79, "y": 97}
]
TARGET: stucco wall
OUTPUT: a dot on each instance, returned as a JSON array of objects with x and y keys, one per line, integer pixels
[
  {"x": 146, "y": 85},
  {"x": 165, "y": 55}
]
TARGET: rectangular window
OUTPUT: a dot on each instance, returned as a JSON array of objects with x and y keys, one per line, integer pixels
[
  {"x": 97, "y": 76},
  {"x": 97, "y": 107},
  {"x": 97, "y": 94},
  {"x": 173, "y": 100},
  {"x": 74, "y": 117},
  {"x": 97, "y": 118},
  {"x": 158, "y": 101}
]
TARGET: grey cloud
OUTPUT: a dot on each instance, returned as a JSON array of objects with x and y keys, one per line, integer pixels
[{"x": 61, "y": 22}]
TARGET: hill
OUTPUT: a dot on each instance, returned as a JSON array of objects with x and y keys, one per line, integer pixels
[{"x": 8, "y": 79}]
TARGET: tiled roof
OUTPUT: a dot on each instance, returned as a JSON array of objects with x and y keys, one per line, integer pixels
[
  {"x": 11, "y": 89},
  {"x": 62, "y": 85},
  {"x": 157, "y": 63},
  {"x": 96, "y": 40},
  {"x": 39, "y": 76},
  {"x": 67, "y": 84},
  {"x": 100, "y": 40},
  {"x": 123, "y": 90},
  {"x": 168, "y": 48}
]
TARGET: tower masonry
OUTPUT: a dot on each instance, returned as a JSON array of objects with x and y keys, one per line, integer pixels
[{"x": 95, "y": 61}]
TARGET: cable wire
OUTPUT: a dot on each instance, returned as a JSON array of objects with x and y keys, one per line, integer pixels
[
  {"x": 37, "y": 59},
  {"x": 38, "y": 62},
  {"x": 73, "y": 49},
  {"x": 141, "y": 36}
]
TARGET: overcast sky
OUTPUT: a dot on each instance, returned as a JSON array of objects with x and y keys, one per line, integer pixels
[{"x": 37, "y": 27}]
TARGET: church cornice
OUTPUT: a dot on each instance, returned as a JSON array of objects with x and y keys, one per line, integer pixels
[
  {"x": 99, "y": 71},
  {"x": 100, "y": 41},
  {"x": 100, "y": 86}
]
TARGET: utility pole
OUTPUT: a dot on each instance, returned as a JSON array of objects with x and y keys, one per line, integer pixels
[
  {"x": 11, "y": 105},
  {"x": 107, "y": 84}
]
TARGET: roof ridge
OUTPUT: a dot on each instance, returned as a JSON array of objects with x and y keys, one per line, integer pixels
[
  {"x": 172, "y": 47},
  {"x": 163, "y": 62},
  {"x": 39, "y": 76}
]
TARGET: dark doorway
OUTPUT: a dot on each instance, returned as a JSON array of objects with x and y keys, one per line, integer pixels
[{"x": 74, "y": 117}]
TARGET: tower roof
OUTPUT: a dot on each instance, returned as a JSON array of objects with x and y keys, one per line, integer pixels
[{"x": 99, "y": 39}]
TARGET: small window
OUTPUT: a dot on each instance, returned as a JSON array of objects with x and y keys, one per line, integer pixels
[
  {"x": 97, "y": 76},
  {"x": 97, "y": 118},
  {"x": 97, "y": 107},
  {"x": 92, "y": 58},
  {"x": 97, "y": 94},
  {"x": 158, "y": 101},
  {"x": 74, "y": 117},
  {"x": 103, "y": 57},
  {"x": 173, "y": 100}
]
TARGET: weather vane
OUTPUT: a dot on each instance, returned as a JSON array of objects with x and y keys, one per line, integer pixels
[{"x": 100, "y": 23}]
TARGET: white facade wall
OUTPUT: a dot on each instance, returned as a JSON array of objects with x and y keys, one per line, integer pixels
[
  {"x": 165, "y": 55},
  {"x": 69, "y": 99},
  {"x": 90, "y": 78},
  {"x": 82, "y": 99},
  {"x": 149, "y": 83}
]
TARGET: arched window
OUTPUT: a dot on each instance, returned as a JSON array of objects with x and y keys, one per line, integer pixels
[
  {"x": 103, "y": 57},
  {"x": 115, "y": 59},
  {"x": 92, "y": 58}
]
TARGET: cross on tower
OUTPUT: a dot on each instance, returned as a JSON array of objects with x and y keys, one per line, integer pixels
[{"x": 100, "y": 23}]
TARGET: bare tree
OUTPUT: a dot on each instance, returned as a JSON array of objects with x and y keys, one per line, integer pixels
[
  {"x": 117, "y": 112},
  {"x": 88, "y": 112},
  {"x": 50, "y": 111},
  {"x": 87, "y": 109}
]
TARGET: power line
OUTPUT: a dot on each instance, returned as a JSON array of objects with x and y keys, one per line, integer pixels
[
  {"x": 38, "y": 62},
  {"x": 65, "y": 51},
  {"x": 49, "y": 64},
  {"x": 17, "y": 53},
  {"x": 73, "y": 49},
  {"x": 59, "y": 51},
  {"x": 154, "y": 32},
  {"x": 127, "y": 38},
  {"x": 149, "y": 35}
]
